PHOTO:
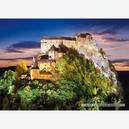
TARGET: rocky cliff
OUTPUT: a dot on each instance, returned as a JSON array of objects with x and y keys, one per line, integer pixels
[
  {"x": 85, "y": 46},
  {"x": 92, "y": 52}
]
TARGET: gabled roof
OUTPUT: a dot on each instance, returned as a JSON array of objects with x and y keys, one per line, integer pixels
[
  {"x": 83, "y": 35},
  {"x": 53, "y": 48},
  {"x": 62, "y": 48},
  {"x": 45, "y": 72},
  {"x": 46, "y": 61}
]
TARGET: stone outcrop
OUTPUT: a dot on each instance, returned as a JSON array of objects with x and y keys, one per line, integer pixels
[
  {"x": 91, "y": 52},
  {"x": 85, "y": 45}
]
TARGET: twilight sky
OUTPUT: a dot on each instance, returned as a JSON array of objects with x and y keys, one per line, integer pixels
[{"x": 20, "y": 38}]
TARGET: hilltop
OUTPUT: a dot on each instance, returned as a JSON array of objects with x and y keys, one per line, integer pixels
[{"x": 68, "y": 74}]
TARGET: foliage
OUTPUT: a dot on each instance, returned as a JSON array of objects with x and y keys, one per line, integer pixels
[
  {"x": 21, "y": 69},
  {"x": 8, "y": 81},
  {"x": 28, "y": 96},
  {"x": 91, "y": 85},
  {"x": 7, "y": 86},
  {"x": 77, "y": 83}
]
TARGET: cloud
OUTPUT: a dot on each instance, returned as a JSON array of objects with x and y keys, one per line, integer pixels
[
  {"x": 25, "y": 53},
  {"x": 10, "y": 50},
  {"x": 20, "y": 50},
  {"x": 13, "y": 59},
  {"x": 8, "y": 63},
  {"x": 106, "y": 32},
  {"x": 115, "y": 39},
  {"x": 20, "y": 47},
  {"x": 119, "y": 46},
  {"x": 24, "y": 44},
  {"x": 125, "y": 61},
  {"x": 121, "y": 64}
]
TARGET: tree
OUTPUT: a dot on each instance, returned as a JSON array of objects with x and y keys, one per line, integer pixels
[
  {"x": 28, "y": 96},
  {"x": 91, "y": 86},
  {"x": 7, "y": 85},
  {"x": 76, "y": 83},
  {"x": 21, "y": 69}
]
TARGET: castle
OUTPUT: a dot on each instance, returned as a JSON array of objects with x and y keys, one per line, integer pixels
[
  {"x": 75, "y": 42},
  {"x": 52, "y": 48}
]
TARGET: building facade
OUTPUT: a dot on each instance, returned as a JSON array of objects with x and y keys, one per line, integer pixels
[
  {"x": 74, "y": 42},
  {"x": 52, "y": 48}
]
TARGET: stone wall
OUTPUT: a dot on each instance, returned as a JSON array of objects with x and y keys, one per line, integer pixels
[
  {"x": 35, "y": 74},
  {"x": 47, "y": 66},
  {"x": 47, "y": 43},
  {"x": 75, "y": 42}
]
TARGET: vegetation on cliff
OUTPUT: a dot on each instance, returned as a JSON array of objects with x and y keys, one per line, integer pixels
[{"x": 76, "y": 85}]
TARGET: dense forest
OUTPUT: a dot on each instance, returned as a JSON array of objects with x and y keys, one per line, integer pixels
[{"x": 76, "y": 85}]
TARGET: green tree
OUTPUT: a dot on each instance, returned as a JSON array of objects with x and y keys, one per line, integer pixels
[
  {"x": 7, "y": 85},
  {"x": 21, "y": 69},
  {"x": 76, "y": 83},
  {"x": 28, "y": 96},
  {"x": 91, "y": 85}
]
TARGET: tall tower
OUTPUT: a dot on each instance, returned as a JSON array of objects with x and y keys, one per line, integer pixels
[
  {"x": 84, "y": 37},
  {"x": 34, "y": 62}
]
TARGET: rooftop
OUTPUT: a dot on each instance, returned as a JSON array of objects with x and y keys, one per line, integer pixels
[
  {"x": 45, "y": 72},
  {"x": 62, "y": 48},
  {"x": 46, "y": 61},
  {"x": 58, "y": 38},
  {"x": 84, "y": 35}
]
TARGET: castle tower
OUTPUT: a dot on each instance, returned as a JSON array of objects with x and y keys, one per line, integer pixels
[
  {"x": 48, "y": 42},
  {"x": 75, "y": 42},
  {"x": 34, "y": 62},
  {"x": 84, "y": 37}
]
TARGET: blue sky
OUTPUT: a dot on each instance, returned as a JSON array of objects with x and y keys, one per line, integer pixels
[{"x": 22, "y": 35}]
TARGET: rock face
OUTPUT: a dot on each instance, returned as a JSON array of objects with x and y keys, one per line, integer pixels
[
  {"x": 91, "y": 52},
  {"x": 84, "y": 44}
]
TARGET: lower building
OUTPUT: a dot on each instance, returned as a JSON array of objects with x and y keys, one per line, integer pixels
[{"x": 35, "y": 73}]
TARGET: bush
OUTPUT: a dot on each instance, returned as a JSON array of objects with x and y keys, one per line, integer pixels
[
  {"x": 7, "y": 86},
  {"x": 76, "y": 84},
  {"x": 90, "y": 85}
]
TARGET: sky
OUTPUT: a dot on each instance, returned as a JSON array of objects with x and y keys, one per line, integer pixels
[{"x": 20, "y": 38}]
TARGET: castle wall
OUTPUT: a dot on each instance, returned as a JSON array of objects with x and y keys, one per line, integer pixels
[
  {"x": 35, "y": 74},
  {"x": 47, "y": 43},
  {"x": 75, "y": 42},
  {"x": 54, "y": 55},
  {"x": 48, "y": 66},
  {"x": 69, "y": 43}
]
